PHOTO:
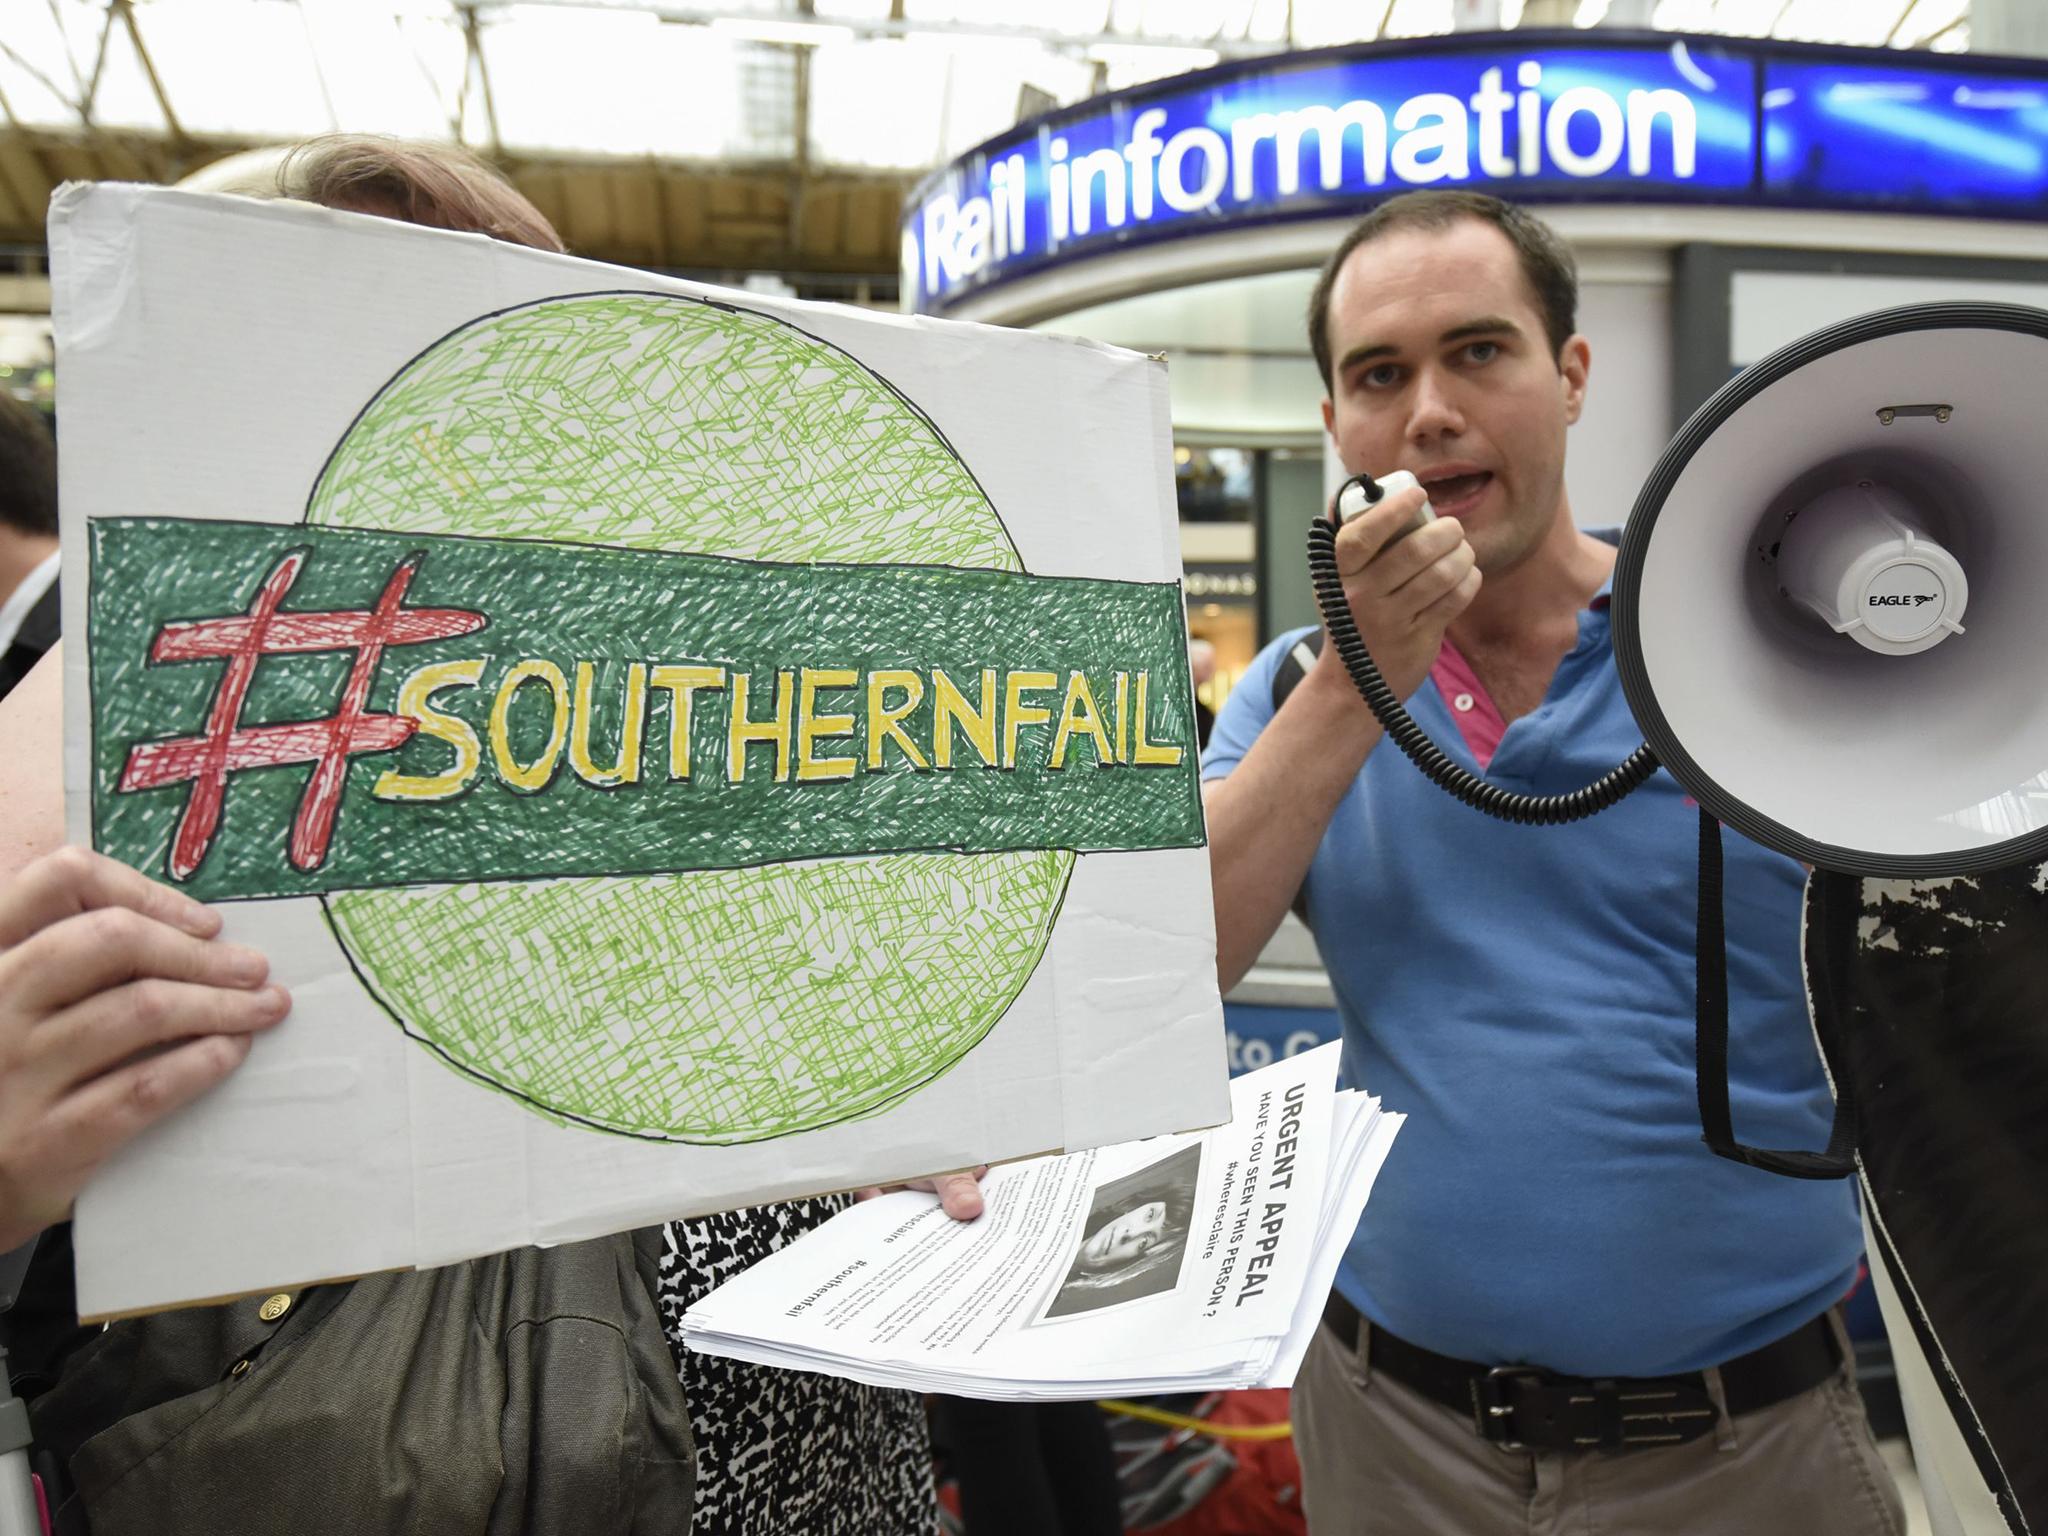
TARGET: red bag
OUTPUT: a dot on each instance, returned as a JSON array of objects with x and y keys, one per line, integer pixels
[{"x": 1221, "y": 1464}]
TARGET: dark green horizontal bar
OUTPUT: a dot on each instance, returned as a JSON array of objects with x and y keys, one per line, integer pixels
[{"x": 574, "y": 802}]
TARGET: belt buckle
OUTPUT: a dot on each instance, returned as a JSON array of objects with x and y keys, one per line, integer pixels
[{"x": 1492, "y": 1413}]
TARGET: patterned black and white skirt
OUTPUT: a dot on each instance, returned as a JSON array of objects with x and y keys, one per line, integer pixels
[{"x": 787, "y": 1453}]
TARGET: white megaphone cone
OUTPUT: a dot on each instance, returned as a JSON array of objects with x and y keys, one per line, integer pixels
[{"x": 1789, "y": 601}]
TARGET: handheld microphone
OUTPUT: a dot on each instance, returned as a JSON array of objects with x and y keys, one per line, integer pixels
[{"x": 1362, "y": 492}]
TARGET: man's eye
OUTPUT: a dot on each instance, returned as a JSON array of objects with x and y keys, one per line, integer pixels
[
  {"x": 1483, "y": 351},
  {"x": 1384, "y": 376}
]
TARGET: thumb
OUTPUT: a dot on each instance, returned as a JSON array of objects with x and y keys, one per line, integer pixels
[{"x": 960, "y": 1193}]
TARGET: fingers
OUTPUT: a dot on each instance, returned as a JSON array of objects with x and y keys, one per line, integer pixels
[
  {"x": 1384, "y": 581},
  {"x": 1453, "y": 602},
  {"x": 960, "y": 1193},
  {"x": 105, "y": 1030},
  {"x": 51, "y": 1157},
  {"x": 1381, "y": 530},
  {"x": 109, "y": 1111},
  {"x": 1437, "y": 579},
  {"x": 103, "y": 949},
  {"x": 1382, "y": 561},
  {"x": 1405, "y": 581},
  {"x": 73, "y": 881},
  {"x": 1405, "y": 584},
  {"x": 118, "y": 1006}
]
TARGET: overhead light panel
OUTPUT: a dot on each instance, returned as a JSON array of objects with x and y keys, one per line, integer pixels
[
  {"x": 1166, "y": 58},
  {"x": 790, "y": 33}
]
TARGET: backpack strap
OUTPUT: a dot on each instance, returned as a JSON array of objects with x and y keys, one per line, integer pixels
[
  {"x": 1295, "y": 664},
  {"x": 1286, "y": 678}
]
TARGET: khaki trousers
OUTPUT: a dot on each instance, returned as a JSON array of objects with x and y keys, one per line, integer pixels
[{"x": 1379, "y": 1459}]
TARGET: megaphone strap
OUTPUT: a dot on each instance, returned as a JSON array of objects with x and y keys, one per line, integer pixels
[{"x": 1717, "y": 1122}]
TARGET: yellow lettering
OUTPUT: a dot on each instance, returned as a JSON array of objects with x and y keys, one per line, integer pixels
[
  {"x": 812, "y": 727},
  {"x": 885, "y": 721},
  {"x": 1151, "y": 753},
  {"x": 1078, "y": 713},
  {"x": 1123, "y": 717},
  {"x": 1017, "y": 714},
  {"x": 741, "y": 732},
  {"x": 627, "y": 770},
  {"x": 415, "y": 697},
  {"x": 681, "y": 683},
  {"x": 949, "y": 705},
  {"x": 534, "y": 775}
]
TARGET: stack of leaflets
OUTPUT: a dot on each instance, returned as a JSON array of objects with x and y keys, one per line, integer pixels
[{"x": 1179, "y": 1263}]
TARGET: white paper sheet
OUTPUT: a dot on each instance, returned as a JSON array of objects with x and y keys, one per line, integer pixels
[{"x": 1089, "y": 1273}]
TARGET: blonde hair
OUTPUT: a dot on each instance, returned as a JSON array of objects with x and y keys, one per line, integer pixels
[{"x": 438, "y": 185}]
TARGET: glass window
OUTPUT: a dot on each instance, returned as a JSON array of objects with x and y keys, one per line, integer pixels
[
  {"x": 1213, "y": 485},
  {"x": 1218, "y": 492}
]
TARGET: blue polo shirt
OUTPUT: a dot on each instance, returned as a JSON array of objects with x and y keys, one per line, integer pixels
[{"x": 1525, "y": 996}]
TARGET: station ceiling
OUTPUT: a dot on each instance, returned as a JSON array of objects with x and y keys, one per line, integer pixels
[{"x": 765, "y": 136}]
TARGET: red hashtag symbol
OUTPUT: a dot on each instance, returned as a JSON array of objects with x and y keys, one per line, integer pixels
[{"x": 228, "y": 746}]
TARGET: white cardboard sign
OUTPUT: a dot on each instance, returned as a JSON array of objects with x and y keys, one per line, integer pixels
[{"x": 680, "y": 748}]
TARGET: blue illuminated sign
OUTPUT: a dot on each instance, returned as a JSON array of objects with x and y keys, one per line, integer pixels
[
  {"x": 1949, "y": 140},
  {"x": 1556, "y": 117}
]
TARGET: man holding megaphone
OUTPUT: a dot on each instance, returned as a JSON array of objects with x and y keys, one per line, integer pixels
[{"x": 1565, "y": 1312}]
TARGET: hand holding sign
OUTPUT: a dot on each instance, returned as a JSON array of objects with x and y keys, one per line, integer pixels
[{"x": 115, "y": 1009}]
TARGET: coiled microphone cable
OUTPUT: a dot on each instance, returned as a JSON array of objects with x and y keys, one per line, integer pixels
[{"x": 1414, "y": 742}]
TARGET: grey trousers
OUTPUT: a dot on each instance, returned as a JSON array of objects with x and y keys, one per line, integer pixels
[{"x": 1379, "y": 1459}]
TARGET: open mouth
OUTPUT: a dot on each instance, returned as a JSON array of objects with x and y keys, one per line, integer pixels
[{"x": 1449, "y": 494}]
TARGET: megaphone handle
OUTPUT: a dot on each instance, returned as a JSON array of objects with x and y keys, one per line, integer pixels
[
  {"x": 1414, "y": 742},
  {"x": 1717, "y": 1121}
]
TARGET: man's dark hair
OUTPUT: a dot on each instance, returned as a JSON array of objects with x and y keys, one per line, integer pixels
[
  {"x": 1546, "y": 260},
  {"x": 28, "y": 468}
]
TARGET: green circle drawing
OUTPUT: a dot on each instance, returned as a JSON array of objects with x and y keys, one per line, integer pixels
[{"x": 714, "y": 1006}]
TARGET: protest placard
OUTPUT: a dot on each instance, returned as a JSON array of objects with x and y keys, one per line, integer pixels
[{"x": 681, "y": 748}]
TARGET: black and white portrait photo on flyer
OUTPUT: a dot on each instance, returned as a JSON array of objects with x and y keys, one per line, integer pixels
[{"x": 1134, "y": 1238}]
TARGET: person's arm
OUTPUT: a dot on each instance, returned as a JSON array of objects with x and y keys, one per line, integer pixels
[
  {"x": 1269, "y": 813},
  {"x": 32, "y": 764},
  {"x": 118, "y": 1005}
]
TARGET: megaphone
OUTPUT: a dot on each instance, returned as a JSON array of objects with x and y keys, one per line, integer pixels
[
  {"x": 1829, "y": 611},
  {"x": 1834, "y": 584},
  {"x": 1828, "y": 617}
]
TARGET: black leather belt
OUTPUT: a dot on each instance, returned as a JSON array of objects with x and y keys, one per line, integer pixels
[{"x": 1519, "y": 1407}]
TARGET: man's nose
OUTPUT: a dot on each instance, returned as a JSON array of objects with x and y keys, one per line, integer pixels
[{"x": 1433, "y": 411}]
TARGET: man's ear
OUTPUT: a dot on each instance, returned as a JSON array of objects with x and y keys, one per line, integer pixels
[
  {"x": 1329, "y": 418},
  {"x": 1574, "y": 362}
]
